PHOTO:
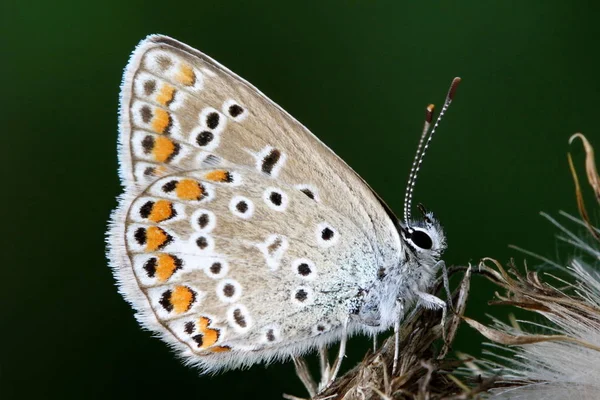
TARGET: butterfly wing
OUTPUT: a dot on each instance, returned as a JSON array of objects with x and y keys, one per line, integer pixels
[{"x": 240, "y": 237}]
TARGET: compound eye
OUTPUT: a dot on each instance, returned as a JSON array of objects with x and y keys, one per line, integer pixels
[{"x": 421, "y": 239}]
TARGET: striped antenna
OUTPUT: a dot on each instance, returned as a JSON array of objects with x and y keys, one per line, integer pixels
[
  {"x": 410, "y": 185},
  {"x": 423, "y": 145}
]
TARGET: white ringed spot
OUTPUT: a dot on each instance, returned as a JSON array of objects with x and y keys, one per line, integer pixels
[
  {"x": 302, "y": 296},
  {"x": 234, "y": 110},
  {"x": 239, "y": 318},
  {"x": 217, "y": 269},
  {"x": 202, "y": 242},
  {"x": 326, "y": 235},
  {"x": 275, "y": 199},
  {"x": 271, "y": 334},
  {"x": 203, "y": 220},
  {"x": 229, "y": 290},
  {"x": 241, "y": 206},
  {"x": 212, "y": 120},
  {"x": 304, "y": 269},
  {"x": 270, "y": 160},
  {"x": 204, "y": 138}
]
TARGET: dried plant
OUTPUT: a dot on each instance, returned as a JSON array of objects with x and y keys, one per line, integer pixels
[
  {"x": 423, "y": 372},
  {"x": 564, "y": 363}
]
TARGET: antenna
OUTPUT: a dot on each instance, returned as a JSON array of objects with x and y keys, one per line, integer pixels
[
  {"x": 423, "y": 145},
  {"x": 410, "y": 185}
]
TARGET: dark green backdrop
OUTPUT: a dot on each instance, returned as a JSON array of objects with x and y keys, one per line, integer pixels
[{"x": 530, "y": 79}]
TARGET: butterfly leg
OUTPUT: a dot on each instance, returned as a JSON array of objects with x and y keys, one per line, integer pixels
[
  {"x": 305, "y": 376},
  {"x": 442, "y": 265},
  {"x": 324, "y": 364},
  {"x": 374, "y": 342},
  {"x": 338, "y": 361},
  {"x": 396, "y": 345},
  {"x": 400, "y": 315},
  {"x": 432, "y": 302}
]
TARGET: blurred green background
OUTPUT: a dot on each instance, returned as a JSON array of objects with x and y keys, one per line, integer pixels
[{"x": 530, "y": 80}]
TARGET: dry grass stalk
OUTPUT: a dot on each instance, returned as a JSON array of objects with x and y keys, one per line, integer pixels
[
  {"x": 565, "y": 363},
  {"x": 422, "y": 373}
]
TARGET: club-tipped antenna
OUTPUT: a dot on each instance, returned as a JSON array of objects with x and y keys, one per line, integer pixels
[
  {"x": 409, "y": 186},
  {"x": 423, "y": 145}
]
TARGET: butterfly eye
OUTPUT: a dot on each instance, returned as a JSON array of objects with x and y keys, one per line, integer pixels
[{"x": 421, "y": 239}]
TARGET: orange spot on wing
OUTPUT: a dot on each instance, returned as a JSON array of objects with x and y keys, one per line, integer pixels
[
  {"x": 155, "y": 238},
  {"x": 189, "y": 189},
  {"x": 161, "y": 210},
  {"x": 166, "y": 267},
  {"x": 166, "y": 94},
  {"x": 209, "y": 336},
  {"x": 163, "y": 149},
  {"x": 186, "y": 75},
  {"x": 161, "y": 120},
  {"x": 203, "y": 323},
  {"x": 220, "y": 349},
  {"x": 218, "y": 175},
  {"x": 182, "y": 299}
]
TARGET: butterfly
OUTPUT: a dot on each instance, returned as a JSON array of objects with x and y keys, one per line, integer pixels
[{"x": 240, "y": 237}]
